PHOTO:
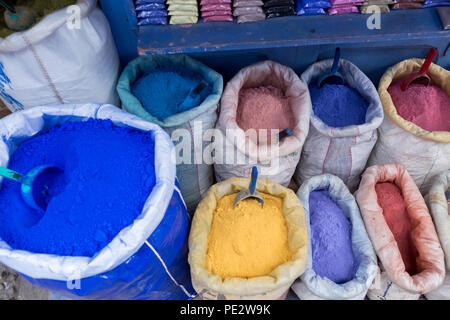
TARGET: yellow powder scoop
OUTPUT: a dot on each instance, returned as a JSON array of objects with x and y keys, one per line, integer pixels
[{"x": 247, "y": 240}]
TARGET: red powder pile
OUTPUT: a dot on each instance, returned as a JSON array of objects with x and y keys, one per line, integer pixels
[
  {"x": 264, "y": 108},
  {"x": 426, "y": 106},
  {"x": 391, "y": 201}
]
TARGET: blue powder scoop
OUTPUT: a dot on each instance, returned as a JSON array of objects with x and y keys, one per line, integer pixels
[{"x": 35, "y": 184}]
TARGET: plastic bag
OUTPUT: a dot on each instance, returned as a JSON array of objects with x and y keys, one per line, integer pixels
[
  {"x": 276, "y": 3},
  {"x": 407, "y": 5},
  {"x": 438, "y": 202},
  {"x": 153, "y": 21},
  {"x": 152, "y": 14},
  {"x": 382, "y": 7},
  {"x": 277, "y": 283},
  {"x": 343, "y": 151},
  {"x": 151, "y": 6},
  {"x": 394, "y": 282},
  {"x": 276, "y": 162},
  {"x": 215, "y": 7},
  {"x": 314, "y": 287},
  {"x": 205, "y": 2},
  {"x": 216, "y": 13},
  {"x": 182, "y": 7},
  {"x": 307, "y": 4},
  {"x": 286, "y": 10},
  {"x": 277, "y": 14},
  {"x": 247, "y": 3},
  {"x": 217, "y": 18},
  {"x": 138, "y": 2},
  {"x": 145, "y": 258},
  {"x": 195, "y": 179},
  {"x": 342, "y": 10},
  {"x": 251, "y": 18},
  {"x": 33, "y": 72},
  {"x": 423, "y": 153},
  {"x": 246, "y": 10},
  {"x": 183, "y": 19},
  {"x": 310, "y": 11},
  {"x": 179, "y": 13}
]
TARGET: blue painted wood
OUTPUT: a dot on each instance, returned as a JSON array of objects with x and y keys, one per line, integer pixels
[
  {"x": 291, "y": 31},
  {"x": 123, "y": 22},
  {"x": 294, "y": 41}
]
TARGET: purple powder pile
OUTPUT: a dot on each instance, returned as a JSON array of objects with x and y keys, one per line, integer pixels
[{"x": 331, "y": 234}]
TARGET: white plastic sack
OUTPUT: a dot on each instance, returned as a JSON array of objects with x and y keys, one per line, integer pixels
[
  {"x": 340, "y": 151},
  {"x": 58, "y": 61},
  {"x": 311, "y": 286},
  {"x": 437, "y": 200},
  {"x": 423, "y": 153},
  {"x": 22, "y": 125},
  {"x": 276, "y": 162}
]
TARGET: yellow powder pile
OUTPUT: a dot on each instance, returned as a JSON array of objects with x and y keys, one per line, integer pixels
[{"x": 247, "y": 241}]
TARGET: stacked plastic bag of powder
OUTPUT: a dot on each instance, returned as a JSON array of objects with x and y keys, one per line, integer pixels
[
  {"x": 382, "y": 6},
  {"x": 436, "y": 3},
  {"x": 407, "y": 4},
  {"x": 182, "y": 11},
  {"x": 279, "y": 8},
  {"x": 344, "y": 6},
  {"x": 248, "y": 10},
  {"x": 216, "y": 10},
  {"x": 311, "y": 7},
  {"x": 151, "y": 12}
]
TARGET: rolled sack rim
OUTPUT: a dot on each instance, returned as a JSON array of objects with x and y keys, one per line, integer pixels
[
  {"x": 356, "y": 79},
  {"x": 438, "y": 75},
  {"x": 284, "y": 275},
  {"x": 365, "y": 254},
  {"x": 129, "y": 240}
]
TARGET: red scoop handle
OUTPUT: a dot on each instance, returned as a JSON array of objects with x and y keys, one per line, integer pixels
[{"x": 428, "y": 61}]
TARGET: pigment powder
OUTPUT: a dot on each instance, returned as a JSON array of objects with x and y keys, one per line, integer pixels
[
  {"x": 331, "y": 239},
  {"x": 163, "y": 91},
  {"x": 426, "y": 106},
  {"x": 247, "y": 241},
  {"x": 264, "y": 107},
  {"x": 338, "y": 105},
  {"x": 108, "y": 173},
  {"x": 396, "y": 215}
]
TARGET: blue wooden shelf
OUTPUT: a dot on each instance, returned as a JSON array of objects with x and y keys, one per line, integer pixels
[{"x": 294, "y": 31}]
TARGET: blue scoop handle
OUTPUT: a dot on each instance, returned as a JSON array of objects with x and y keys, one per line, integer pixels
[
  {"x": 15, "y": 176},
  {"x": 253, "y": 180},
  {"x": 337, "y": 57}
]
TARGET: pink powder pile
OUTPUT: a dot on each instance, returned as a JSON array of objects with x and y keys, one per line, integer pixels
[
  {"x": 264, "y": 107},
  {"x": 426, "y": 106},
  {"x": 396, "y": 215}
]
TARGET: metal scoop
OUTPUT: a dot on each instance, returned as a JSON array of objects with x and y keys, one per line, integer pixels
[
  {"x": 421, "y": 76},
  {"x": 333, "y": 77},
  {"x": 34, "y": 191},
  {"x": 250, "y": 192},
  {"x": 18, "y": 18}
]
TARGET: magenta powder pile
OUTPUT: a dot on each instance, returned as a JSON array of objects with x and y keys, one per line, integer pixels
[
  {"x": 264, "y": 107},
  {"x": 426, "y": 106}
]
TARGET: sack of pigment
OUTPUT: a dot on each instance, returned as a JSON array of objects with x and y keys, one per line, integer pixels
[
  {"x": 247, "y": 252},
  {"x": 344, "y": 119},
  {"x": 156, "y": 88},
  {"x": 402, "y": 233},
  {"x": 438, "y": 200},
  {"x": 33, "y": 73},
  {"x": 416, "y": 129},
  {"x": 341, "y": 261},
  {"x": 115, "y": 225},
  {"x": 258, "y": 102}
]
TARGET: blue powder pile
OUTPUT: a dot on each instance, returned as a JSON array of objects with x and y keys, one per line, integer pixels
[
  {"x": 108, "y": 173},
  {"x": 338, "y": 105},
  {"x": 331, "y": 232},
  {"x": 163, "y": 91}
]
